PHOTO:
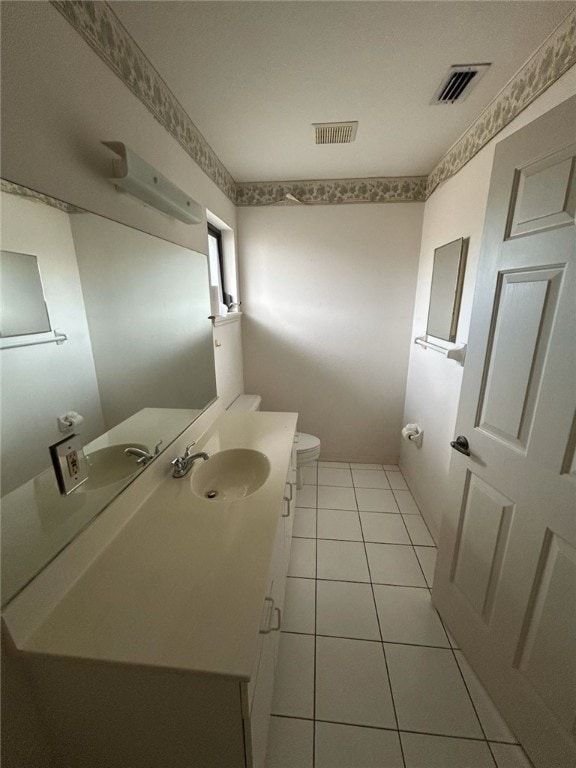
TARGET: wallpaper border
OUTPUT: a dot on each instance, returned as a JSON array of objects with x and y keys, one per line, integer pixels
[
  {"x": 97, "y": 23},
  {"x": 11, "y": 188},
  {"x": 392, "y": 189}
]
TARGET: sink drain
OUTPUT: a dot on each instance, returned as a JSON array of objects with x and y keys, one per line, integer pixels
[{"x": 211, "y": 494}]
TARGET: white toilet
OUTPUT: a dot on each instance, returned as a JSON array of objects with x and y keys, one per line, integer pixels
[{"x": 307, "y": 446}]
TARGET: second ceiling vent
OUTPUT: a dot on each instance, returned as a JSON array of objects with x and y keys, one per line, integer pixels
[
  {"x": 335, "y": 133},
  {"x": 458, "y": 83}
]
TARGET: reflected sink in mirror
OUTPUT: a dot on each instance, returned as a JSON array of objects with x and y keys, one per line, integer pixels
[
  {"x": 230, "y": 475},
  {"x": 111, "y": 464}
]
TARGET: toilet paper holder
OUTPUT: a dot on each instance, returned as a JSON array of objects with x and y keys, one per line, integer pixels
[{"x": 414, "y": 434}]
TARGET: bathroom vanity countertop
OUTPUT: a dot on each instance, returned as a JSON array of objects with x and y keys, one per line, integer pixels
[{"x": 182, "y": 585}]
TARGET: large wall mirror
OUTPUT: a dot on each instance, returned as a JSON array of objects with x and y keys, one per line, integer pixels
[
  {"x": 446, "y": 291},
  {"x": 134, "y": 359}
]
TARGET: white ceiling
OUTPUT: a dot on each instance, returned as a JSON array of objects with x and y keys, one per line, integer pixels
[{"x": 253, "y": 76}]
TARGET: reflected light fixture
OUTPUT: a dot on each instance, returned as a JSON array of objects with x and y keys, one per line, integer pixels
[{"x": 134, "y": 175}]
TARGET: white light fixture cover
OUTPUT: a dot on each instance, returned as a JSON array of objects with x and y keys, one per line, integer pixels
[{"x": 135, "y": 176}]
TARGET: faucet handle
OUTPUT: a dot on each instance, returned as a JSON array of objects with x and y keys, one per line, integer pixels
[
  {"x": 157, "y": 447},
  {"x": 188, "y": 451}
]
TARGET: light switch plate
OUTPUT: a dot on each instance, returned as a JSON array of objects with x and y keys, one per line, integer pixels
[{"x": 69, "y": 463}]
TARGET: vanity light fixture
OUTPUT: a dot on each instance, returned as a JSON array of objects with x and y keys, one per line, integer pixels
[{"x": 134, "y": 175}]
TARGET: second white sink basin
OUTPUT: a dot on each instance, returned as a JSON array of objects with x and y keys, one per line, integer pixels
[
  {"x": 230, "y": 475},
  {"x": 109, "y": 465}
]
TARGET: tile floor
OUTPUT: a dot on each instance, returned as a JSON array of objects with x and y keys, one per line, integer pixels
[{"x": 367, "y": 675}]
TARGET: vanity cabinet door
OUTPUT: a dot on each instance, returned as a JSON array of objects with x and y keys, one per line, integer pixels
[
  {"x": 262, "y": 700},
  {"x": 289, "y": 509},
  {"x": 262, "y": 687}
]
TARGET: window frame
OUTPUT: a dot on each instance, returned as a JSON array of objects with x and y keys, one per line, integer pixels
[{"x": 217, "y": 235}]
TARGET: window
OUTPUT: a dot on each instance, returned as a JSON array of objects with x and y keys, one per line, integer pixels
[{"x": 216, "y": 258}]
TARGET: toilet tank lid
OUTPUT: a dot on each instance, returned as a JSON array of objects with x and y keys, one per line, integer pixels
[{"x": 246, "y": 403}]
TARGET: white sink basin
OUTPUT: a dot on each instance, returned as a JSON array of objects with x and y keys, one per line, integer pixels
[
  {"x": 230, "y": 475},
  {"x": 110, "y": 465}
]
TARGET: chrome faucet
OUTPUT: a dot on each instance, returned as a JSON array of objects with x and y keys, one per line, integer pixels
[
  {"x": 183, "y": 464},
  {"x": 144, "y": 456}
]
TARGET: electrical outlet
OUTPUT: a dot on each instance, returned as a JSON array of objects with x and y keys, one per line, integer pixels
[{"x": 69, "y": 463}]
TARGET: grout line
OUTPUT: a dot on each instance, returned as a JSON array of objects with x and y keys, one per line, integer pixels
[
  {"x": 359, "y": 541},
  {"x": 370, "y": 640},
  {"x": 315, "y": 630},
  {"x": 382, "y": 639},
  {"x": 351, "y": 581},
  {"x": 420, "y": 566},
  {"x": 471, "y": 699},
  {"x": 400, "y": 730}
]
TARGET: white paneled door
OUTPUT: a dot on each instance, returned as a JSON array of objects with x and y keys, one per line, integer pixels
[{"x": 506, "y": 576}]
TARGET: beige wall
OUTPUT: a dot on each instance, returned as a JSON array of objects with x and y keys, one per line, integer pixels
[
  {"x": 328, "y": 294},
  {"x": 455, "y": 209}
]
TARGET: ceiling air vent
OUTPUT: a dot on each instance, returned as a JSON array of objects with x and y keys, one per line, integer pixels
[
  {"x": 335, "y": 133},
  {"x": 458, "y": 83}
]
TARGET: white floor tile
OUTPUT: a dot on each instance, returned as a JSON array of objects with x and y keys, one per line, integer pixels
[
  {"x": 391, "y": 467},
  {"x": 429, "y": 692},
  {"x": 310, "y": 475},
  {"x": 352, "y": 684},
  {"x": 339, "y": 524},
  {"x": 306, "y": 496},
  {"x": 334, "y": 464},
  {"x": 397, "y": 481},
  {"x": 492, "y": 721},
  {"x": 346, "y": 610},
  {"x": 407, "y": 616},
  {"x": 303, "y": 558},
  {"x": 299, "y": 606},
  {"x": 422, "y": 751},
  {"x": 294, "y": 678},
  {"x": 290, "y": 743},
  {"x": 384, "y": 528},
  {"x": 351, "y": 746},
  {"x": 509, "y": 756},
  {"x": 339, "y": 477},
  {"x": 366, "y": 466},
  {"x": 427, "y": 558},
  {"x": 406, "y": 502},
  {"x": 304, "y": 522},
  {"x": 342, "y": 561},
  {"x": 394, "y": 564},
  {"x": 418, "y": 531},
  {"x": 376, "y": 500},
  {"x": 332, "y": 497},
  {"x": 370, "y": 478}
]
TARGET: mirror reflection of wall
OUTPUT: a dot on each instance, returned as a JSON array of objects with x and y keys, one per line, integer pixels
[
  {"x": 138, "y": 365},
  {"x": 446, "y": 290}
]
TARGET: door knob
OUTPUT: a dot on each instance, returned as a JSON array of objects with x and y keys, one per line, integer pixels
[{"x": 461, "y": 445}]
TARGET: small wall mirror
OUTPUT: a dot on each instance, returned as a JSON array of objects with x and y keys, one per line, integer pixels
[
  {"x": 22, "y": 306},
  {"x": 446, "y": 291}
]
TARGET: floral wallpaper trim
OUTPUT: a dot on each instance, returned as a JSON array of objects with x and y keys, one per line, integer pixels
[
  {"x": 554, "y": 57},
  {"x": 16, "y": 189},
  {"x": 106, "y": 35},
  {"x": 405, "y": 189}
]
